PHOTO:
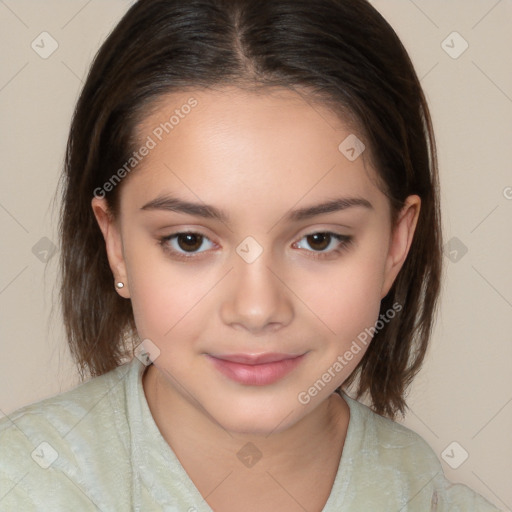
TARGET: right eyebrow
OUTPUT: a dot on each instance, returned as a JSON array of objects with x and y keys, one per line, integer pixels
[{"x": 174, "y": 204}]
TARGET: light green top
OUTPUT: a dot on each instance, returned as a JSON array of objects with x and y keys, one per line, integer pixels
[{"x": 97, "y": 447}]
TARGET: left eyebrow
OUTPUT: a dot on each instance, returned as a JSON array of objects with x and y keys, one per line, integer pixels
[{"x": 334, "y": 205}]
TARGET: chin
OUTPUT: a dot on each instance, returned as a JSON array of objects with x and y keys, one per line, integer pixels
[
  {"x": 259, "y": 422},
  {"x": 251, "y": 428}
]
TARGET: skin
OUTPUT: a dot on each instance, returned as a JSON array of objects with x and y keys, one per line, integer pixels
[{"x": 256, "y": 156}]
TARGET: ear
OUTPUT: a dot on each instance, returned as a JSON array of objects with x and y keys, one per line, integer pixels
[
  {"x": 113, "y": 243},
  {"x": 401, "y": 240}
]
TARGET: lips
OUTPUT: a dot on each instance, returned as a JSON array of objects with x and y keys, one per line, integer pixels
[
  {"x": 256, "y": 369},
  {"x": 254, "y": 359}
]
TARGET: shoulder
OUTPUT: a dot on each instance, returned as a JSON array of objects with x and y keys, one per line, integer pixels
[
  {"x": 56, "y": 442},
  {"x": 407, "y": 468},
  {"x": 86, "y": 404},
  {"x": 391, "y": 444}
]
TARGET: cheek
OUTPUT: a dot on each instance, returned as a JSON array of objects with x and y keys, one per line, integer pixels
[
  {"x": 163, "y": 295},
  {"x": 346, "y": 296}
]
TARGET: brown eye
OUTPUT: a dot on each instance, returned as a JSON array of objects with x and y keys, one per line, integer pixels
[
  {"x": 319, "y": 241},
  {"x": 186, "y": 244},
  {"x": 324, "y": 244},
  {"x": 189, "y": 241}
]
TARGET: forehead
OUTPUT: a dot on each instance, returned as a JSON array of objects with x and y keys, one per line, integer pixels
[
  {"x": 294, "y": 111},
  {"x": 270, "y": 145}
]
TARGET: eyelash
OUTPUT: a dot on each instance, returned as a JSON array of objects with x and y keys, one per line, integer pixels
[{"x": 344, "y": 241}]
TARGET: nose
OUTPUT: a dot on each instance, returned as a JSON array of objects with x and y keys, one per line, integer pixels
[{"x": 256, "y": 299}]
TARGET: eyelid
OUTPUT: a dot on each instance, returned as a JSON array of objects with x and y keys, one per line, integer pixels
[
  {"x": 343, "y": 243},
  {"x": 183, "y": 255}
]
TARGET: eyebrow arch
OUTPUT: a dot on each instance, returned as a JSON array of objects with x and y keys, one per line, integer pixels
[
  {"x": 174, "y": 204},
  {"x": 331, "y": 206}
]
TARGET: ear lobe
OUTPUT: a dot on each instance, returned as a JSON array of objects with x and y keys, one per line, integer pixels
[
  {"x": 113, "y": 244},
  {"x": 401, "y": 240}
]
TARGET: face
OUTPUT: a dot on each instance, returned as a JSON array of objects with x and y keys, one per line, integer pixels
[{"x": 224, "y": 250}]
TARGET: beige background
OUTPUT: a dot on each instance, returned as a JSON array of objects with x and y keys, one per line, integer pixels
[{"x": 464, "y": 392}]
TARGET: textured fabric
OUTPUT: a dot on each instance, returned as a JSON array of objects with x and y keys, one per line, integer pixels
[{"x": 97, "y": 447}]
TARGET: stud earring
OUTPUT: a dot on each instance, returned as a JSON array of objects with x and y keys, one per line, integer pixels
[{"x": 119, "y": 285}]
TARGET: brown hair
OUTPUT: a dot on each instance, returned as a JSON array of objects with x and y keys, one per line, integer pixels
[{"x": 345, "y": 55}]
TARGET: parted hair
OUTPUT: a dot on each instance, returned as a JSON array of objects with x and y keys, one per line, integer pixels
[{"x": 341, "y": 53}]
